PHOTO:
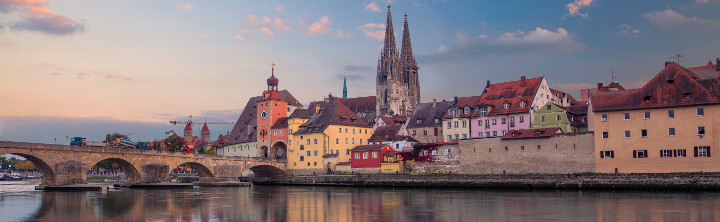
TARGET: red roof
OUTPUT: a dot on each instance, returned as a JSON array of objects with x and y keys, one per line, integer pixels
[
  {"x": 205, "y": 128},
  {"x": 461, "y": 103},
  {"x": 531, "y": 133},
  {"x": 361, "y": 104},
  {"x": 273, "y": 95},
  {"x": 369, "y": 147},
  {"x": 496, "y": 95},
  {"x": 188, "y": 127},
  {"x": 394, "y": 119},
  {"x": 331, "y": 112},
  {"x": 673, "y": 86},
  {"x": 707, "y": 71}
]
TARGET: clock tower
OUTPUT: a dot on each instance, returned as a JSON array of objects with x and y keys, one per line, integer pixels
[{"x": 270, "y": 108}]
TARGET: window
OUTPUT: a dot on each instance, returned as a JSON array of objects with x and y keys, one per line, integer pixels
[
  {"x": 365, "y": 155},
  {"x": 542, "y": 119},
  {"x": 487, "y": 124},
  {"x": 447, "y": 151},
  {"x": 701, "y": 130},
  {"x": 480, "y": 134},
  {"x": 671, "y": 113},
  {"x": 434, "y": 152},
  {"x": 456, "y": 124},
  {"x": 607, "y": 154},
  {"x": 346, "y": 130},
  {"x": 687, "y": 95},
  {"x": 374, "y": 155},
  {"x": 504, "y": 132},
  {"x": 340, "y": 130},
  {"x": 464, "y": 124},
  {"x": 302, "y": 147},
  {"x": 290, "y": 142},
  {"x": 522, "y": 119},
  {"x": 627, "y": 133},
  {"x": 679, "y": 153},
  {"x": 308, "y": 141},
  {"x": 315, "y": 153},
  {"x": 487, "y": 134},
  {"x": 549, "y": 107},
  {"x": 494, "y": 133},
  {"x": 494, "y": 121},
  {"x": 308, "y": 153},
  {"x": 457, "y": 136},
  {"x": 314, "y": 163},
  {"x": 314, "y": 141},
  {"x": 522, "y": 147},
  {"x": 647, "y": 114},
  {"x": 483, "y": 111},
  {"x": 346, "y": 140},
  {"x": 357, "y": 156},
  {"x": 337, "y": 140},
  {"x": 353, "y": 131},
  {"x": 700, "y": 111},
  {"x": 558, "y": 118},
  {"x": 360, "y": 141},
  {"x": 294, "y": 163},
  {"x": 538, "y": 147},
  {"x": 643, "y": 133},
  {"x": 414, "y": 132},
  {"x": 627, "y": 116},
  {"x": 503, "y": 120},
  {"x": 702, "y": 151},
  {"x": 449, "y": 125},
  {"x": 302, "y": 158},
  {"x": 450, "y": 138},
  {"x": 666, "y": 153},
  {"x": 353, "y": 140},
  {"x": 522, "y": 104},
  {"x": 366, "y": 131},
  {"x": 506, "y": 106},
  {"x": 605, "y": 135},
  {"x": 640, "y": 154},
  {"x": 479, "y": 122},
  {"x": 604, "y": 117},
  {"x": 425, "y": 133},
  {"x": 464, "y": 136},
  {"x": 671, "y": 131},
  {"x": 290, "y": 131},
  {"x": 347, "y": 151}
]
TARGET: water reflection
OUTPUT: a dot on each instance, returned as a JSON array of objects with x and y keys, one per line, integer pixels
[{"x": 290, "y": 203}]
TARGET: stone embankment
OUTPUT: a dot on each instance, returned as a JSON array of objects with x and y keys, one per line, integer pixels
[{"x": 673, "y": 181}]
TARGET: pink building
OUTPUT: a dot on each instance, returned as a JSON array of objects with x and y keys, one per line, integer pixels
[{"x": 509, "y": 106}]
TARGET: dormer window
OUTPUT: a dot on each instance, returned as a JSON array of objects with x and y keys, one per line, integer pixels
[
  {"x": 437, "y": 120},
  {"x": 467, "y": 110},
  {"x": 687, "y": 95},
  {"x": 506, "y": 106},
  {"x": 549, "y": 107},
  {"x": 646, "y": 98},
  {"x": 483, "y": 111},
  {"x": 419, "y": 121},
  {"x": 522, "y": 104},
  {"x": 671, "y": 81}
]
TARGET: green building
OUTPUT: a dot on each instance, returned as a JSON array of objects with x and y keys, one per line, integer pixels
[{"x": 569, "y": 119}]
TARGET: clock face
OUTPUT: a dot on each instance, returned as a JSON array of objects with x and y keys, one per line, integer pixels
[{"x": 263, "y": 114}]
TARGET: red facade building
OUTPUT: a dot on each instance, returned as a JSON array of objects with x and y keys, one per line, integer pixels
[{"x": 368, "y": 156}]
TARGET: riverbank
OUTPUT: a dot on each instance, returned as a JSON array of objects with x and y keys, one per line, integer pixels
[{"x": 590, "y": 181}]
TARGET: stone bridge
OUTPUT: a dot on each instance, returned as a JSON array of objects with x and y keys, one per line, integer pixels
[{"x": 67, "y": 165}]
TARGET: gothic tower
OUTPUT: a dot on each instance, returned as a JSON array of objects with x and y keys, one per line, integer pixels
[
  {"x": 410, "y": 69},
  {"x": 397, "y": 87}
]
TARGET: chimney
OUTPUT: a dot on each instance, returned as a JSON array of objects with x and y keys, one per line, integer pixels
[
  {"x": 523, "y": 81},
  {"x": 434, "y": 103},
  {"x": 456, "y": 99},
  {"x": 667, "y": 64},
  {"x": 600, "y": 85}
]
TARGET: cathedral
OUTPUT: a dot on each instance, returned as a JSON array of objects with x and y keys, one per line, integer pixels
[{"x": 398, "y": 86}]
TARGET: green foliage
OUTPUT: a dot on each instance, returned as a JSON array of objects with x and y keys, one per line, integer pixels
[
  {"x": 110, "y": 138},
  {"x": 172, "y": 143},
  {"x": 200, "y": 150},
  {"x": 106, "y": 164},
  {"x": 211, "y": 151}
]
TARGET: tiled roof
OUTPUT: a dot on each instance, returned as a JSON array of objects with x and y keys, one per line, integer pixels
[
  {"x": 393, "y": 153},
  {"x": 385, "y": 133},
  {"x": 461, "y": 103},
  {"x": 281, "y": 123},
  {"x": 289, "y": 98},
  {"x": 531, "y": 133},
  {"x": 361, "y": 104},
  {"x": 572, "y": 99},
  {"x": 205, "y": 128},
  {"x": 300, "y": 113},
  {"x": 220, "y": 140},
  {"x": 496, "y": 95},
  {"x": 188, "y": 127},
  {"x": 580, "y": 109},
  {"x": 393, "y": 120},
  {"x": 369, "y": 147},
  {"x": 660, "y": 92},
  {"x": 239, "y": 133},
  {"x": 707, "y": 71},
  {"x": 332, "y": 112},
  {"x": 427, "y": 113}
]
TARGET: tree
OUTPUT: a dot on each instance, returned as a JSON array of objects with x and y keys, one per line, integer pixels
[
  {"x": 172, "y": 143},
  {"x": 25, "y": 165},
  {"x": 110, "y": 138},
  {"x": 211, "y": 151},
  {"x": 106, "y": 164}
]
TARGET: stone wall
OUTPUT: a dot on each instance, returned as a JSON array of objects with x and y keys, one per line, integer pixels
[
  {"x": 444, "y": 162},
  {"x": 559, "y": 154},
  {"x": 367, "y": 170}
]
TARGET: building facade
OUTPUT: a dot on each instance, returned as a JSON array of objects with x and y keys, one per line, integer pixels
[
  {"x": 425, "y": 123},
  {"x": 367, "y": 158},
  {"x": 509, "y": 106},
  {"x": 668, "y": 125},
  {"x": 456, "y": 122},
  {"x": 570, "y": 119},
  {"x": 397, "y": 83}
]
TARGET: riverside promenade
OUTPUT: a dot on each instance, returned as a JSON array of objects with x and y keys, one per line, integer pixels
[{"x": 589, "y": 181}]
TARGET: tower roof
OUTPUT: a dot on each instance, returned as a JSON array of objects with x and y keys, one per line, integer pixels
[
  {"x": 406, "y": 54},
  {"x": 389, "y": 48},
  {"x": 344, "y": 88},
  {"x": 188, "y": 127},
  {"x": 205, "y": 128}
]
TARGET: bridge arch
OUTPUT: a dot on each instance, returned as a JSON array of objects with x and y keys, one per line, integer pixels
[
  {"x": 279, "y": 150},
  {"x": 131, "y": 172},
  {"x": 49, "y": 176},
  {"x": 267, "y": 171},
  {"x": 202, "y": 170}
]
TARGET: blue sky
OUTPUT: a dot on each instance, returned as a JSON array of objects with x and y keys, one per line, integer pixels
[{"x": 87, "y": 68}]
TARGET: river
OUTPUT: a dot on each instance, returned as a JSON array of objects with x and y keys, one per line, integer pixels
[{"x": 20, "y": 202}]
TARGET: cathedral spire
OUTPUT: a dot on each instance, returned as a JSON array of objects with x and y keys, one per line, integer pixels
[
  {"x": 345, "y": 88},
  {"x": 406, "y": 55},
  {"x": 389, "y": 48}
]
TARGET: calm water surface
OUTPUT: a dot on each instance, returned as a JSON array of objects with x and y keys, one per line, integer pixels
[{"x": 20, "y": 202}]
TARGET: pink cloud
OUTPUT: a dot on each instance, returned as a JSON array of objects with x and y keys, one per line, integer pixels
[
  {"x": 373, "y": 30},
  {"x": 239, "y": 37},
  {"x": 575, "y": 6},
  {"x": 628, "y": 29},
  {"x": 341, "y": 34},
  {"x": 185, "y": 7},
  {"x": 266, "y": 19},
  {"x": 205, "y": 36},
  {"x": 482, "y": 36},
  {"x": 42, "y": 19},
  {"x": 372, "y": 7},
  {"x": 279, "y": 25},
  {"x": 320, "y": 27},
  {"x": 267, "y": 31},
  {"x": 252, "y": 20}
]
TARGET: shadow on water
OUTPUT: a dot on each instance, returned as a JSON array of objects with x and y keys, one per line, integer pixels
[{"x": 306, "y": 203}]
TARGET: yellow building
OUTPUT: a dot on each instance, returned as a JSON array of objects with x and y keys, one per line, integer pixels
[
  {"x": 456, "y": 122},
  {"x": 668, "y": 125},
  {"x": 330, "y": 129}
]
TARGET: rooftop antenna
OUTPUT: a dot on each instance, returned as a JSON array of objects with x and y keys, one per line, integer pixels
[
  {"x": 612, "y": 75},
  {"x": 677, "y": 58}
]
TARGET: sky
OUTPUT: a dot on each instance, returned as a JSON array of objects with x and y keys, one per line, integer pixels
[{"x": 88, "y": 68}]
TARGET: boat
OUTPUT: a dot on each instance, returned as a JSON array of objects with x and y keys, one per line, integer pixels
[{"x": 10, "y": 177}]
